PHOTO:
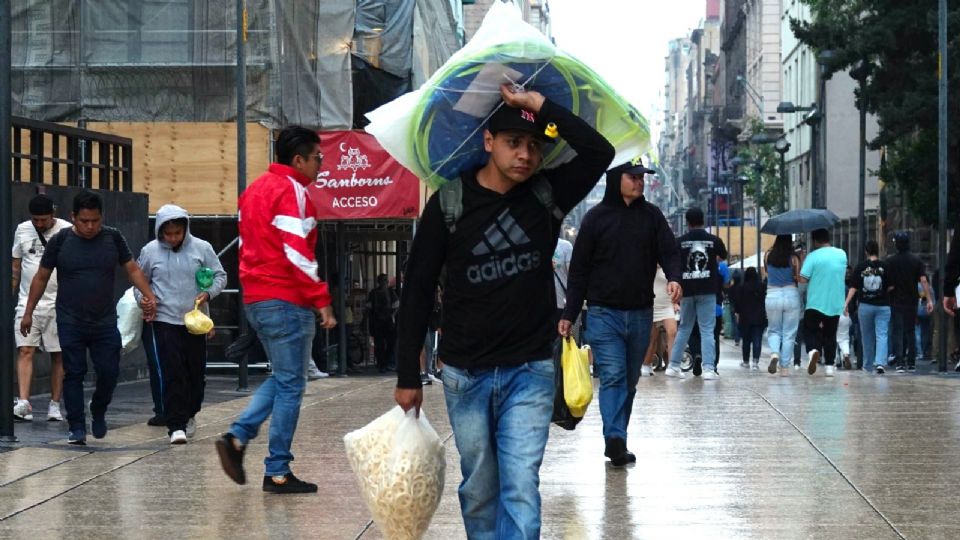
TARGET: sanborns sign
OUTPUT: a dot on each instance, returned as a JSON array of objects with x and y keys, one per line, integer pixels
[{"x": 359, "y": 180}]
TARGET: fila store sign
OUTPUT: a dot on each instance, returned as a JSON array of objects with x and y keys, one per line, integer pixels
[{"x": 360, "y": 180}]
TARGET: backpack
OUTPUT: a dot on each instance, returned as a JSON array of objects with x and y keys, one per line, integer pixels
[{"x": 451, "y": 200}]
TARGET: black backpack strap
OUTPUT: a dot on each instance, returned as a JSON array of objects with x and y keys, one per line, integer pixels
[
  {"x": 544, "y": 192},
  {"x": 451, "y": 202}
]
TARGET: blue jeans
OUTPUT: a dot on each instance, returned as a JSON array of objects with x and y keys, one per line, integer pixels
[
  {"x": 783, "y": 318},
  {"x": 700, "y": 309},
  {"x": 500, "y": 419},
  {"x": 286, "y": 331},
  {"x": 874, "y": 324},
  {"x": 619, "y": 340},
  {"x": 104, "y": 345}
]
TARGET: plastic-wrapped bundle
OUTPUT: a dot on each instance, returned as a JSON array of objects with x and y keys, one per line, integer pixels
[
  {"x": 436, "y": 131},
  {"x": 399, "y": 462}
]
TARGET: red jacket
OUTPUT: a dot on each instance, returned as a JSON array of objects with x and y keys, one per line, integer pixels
[{"x": 277, "y": 222}]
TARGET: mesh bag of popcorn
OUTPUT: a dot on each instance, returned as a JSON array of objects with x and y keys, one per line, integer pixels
[{"x": 399, "y": 462}]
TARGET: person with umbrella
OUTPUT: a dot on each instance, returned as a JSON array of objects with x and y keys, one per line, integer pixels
[
  {"x": 782, "y": 302},
  {"x": 493, "y": 233},
  {"x": 824, "y": 270}
]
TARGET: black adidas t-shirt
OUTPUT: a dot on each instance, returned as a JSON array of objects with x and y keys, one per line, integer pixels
[{"x": 498, "y": 297}]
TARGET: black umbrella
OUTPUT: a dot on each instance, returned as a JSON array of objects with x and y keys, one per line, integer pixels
[{"x": 801, "y": 220}]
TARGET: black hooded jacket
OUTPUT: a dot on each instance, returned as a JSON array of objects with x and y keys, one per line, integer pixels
[{"x": 617, "y": 251}]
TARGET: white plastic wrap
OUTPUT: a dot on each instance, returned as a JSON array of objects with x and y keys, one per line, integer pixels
[
  {"x": 399, "y": 462},
  {"x": 129, "y": 321}
]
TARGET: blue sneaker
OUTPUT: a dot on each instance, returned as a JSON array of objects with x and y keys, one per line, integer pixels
[{"x": 77, "y": 437}]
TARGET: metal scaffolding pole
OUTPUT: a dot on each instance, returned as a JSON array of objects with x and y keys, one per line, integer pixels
[
  {"x": 6, "y": 234},
  {"x": 241, "y": 88},
  {"x": 942, "y": 172}
]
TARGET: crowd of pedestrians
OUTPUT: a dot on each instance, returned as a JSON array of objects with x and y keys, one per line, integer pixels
[{"x": 477, "y": 274}]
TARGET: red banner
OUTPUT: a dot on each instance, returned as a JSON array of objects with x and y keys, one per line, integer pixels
[{"x": 360, "y": 180}]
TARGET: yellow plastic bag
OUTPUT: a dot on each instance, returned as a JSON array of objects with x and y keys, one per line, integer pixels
[
  {"x": 577, "y": 385},
  {"x": 197, "y": 321}
]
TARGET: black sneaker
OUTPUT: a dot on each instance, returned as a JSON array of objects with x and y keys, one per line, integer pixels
[
  {"x": 157, "y": 420},
  {"x": 616, "y": 450},
  {"x": 697, "y": 366},
  {"x": 901, "y": 369},
  {"x": 425, "y": 380},
  {"x": 77, "y": 437},
  {"x": 287, "y": 484},
  {"x": 880, "y": 370},
  {"x": 231, "y": 459},
  {"x": 911, "y": 369}
]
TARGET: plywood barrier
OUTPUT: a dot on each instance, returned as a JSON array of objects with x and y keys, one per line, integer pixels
[{"x": 190, "y": 164}]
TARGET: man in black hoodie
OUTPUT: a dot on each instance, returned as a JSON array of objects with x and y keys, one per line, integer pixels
[
  {"x": 498, "y": 307},
  {"x": 620, "y": 243}
]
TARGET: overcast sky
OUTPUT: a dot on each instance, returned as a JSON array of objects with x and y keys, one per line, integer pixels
[{"x": 625, "y": 41}]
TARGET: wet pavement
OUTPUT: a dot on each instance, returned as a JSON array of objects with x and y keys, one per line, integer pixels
[{"x": 749, "y": 456}]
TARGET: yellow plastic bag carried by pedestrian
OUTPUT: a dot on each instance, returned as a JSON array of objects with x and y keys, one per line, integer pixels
[
  {"x": 198, "y": 323},
  {"x": 577, "y": 385}
]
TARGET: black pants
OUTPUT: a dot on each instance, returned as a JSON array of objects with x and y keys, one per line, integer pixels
[
  {"x": 180, "y": 359},
  {"x": 903, "y": 341},
  {"x": 694, "y": 343},
  {"x": 383, "y": 343},
  {"x": 820, "y": 333},
  {"x": 751, "y": 336}
]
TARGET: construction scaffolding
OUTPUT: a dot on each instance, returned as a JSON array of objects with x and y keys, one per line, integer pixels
[{"x": 322, "y": 63}]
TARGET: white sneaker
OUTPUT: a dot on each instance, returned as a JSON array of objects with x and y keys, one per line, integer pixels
[
  {"x": 646, "y": 371},
  {"x": 829, "y": 371},
  {"x": 755, "y": 365},
  {"x": 812, "y": 358},
  {"x": 434, "y": 378},
  {"x": 191, "y": 428},
  {"x": 53, "y": 412},
  {"x": 178, "y": 437},
  {"x": 313, "y": 374},
  {"x": 22, "y": 410},
  {"x": 710, "y": 375},
  {"x": 674, "y": 372},
  {"x": 745, "y": 365}
]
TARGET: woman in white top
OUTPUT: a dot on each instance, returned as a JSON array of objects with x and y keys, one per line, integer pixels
[{"x": 664, "y": 316}]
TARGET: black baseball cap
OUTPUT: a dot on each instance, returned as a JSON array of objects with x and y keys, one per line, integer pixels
[
  {"x": 507, "y": 118},
  {"x": 634, "y": 166},
  {"x": 40, "y": 205}
]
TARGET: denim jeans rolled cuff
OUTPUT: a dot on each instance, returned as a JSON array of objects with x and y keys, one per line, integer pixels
[
  {"x": 700, "y": 309},
  {"x": 286, "y": 331},
  {"x": 103, "y": 344},
  {"x": 618, "y": 339},
  {"x": 500, "y": 419}
]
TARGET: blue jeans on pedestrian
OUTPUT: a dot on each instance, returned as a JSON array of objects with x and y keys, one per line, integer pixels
[
  {"x": 103, "y": 343},
  {"x": 619, "y": 340},
  {"x": 500, "y": 419},
  {"x": 783, "y": 319},
  {"x": 874, "y": 325},
  {"x": 700, "y": 309},
  {"x": 286, "y": 331}
]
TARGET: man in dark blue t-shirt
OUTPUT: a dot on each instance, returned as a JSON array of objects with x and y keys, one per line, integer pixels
[{"x": 85, "y": 257}]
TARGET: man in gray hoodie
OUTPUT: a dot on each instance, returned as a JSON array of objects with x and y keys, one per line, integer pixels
[{"x": 171, "y": 263}]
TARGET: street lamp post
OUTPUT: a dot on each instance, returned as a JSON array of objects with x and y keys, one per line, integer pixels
[
  {"x": 782, "y": 147},
  {"x": 758, "y": 170},
  {"x": 860, "y": 73}
]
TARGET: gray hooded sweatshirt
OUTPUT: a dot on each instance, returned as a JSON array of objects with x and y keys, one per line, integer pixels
[{"x": 172, "y": 272}]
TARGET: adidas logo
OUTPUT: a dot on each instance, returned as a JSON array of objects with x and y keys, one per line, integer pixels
[{"x": 502, "y": 236}]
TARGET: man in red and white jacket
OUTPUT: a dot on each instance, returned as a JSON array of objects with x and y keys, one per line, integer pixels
[{"x": 282, "y": 295}]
